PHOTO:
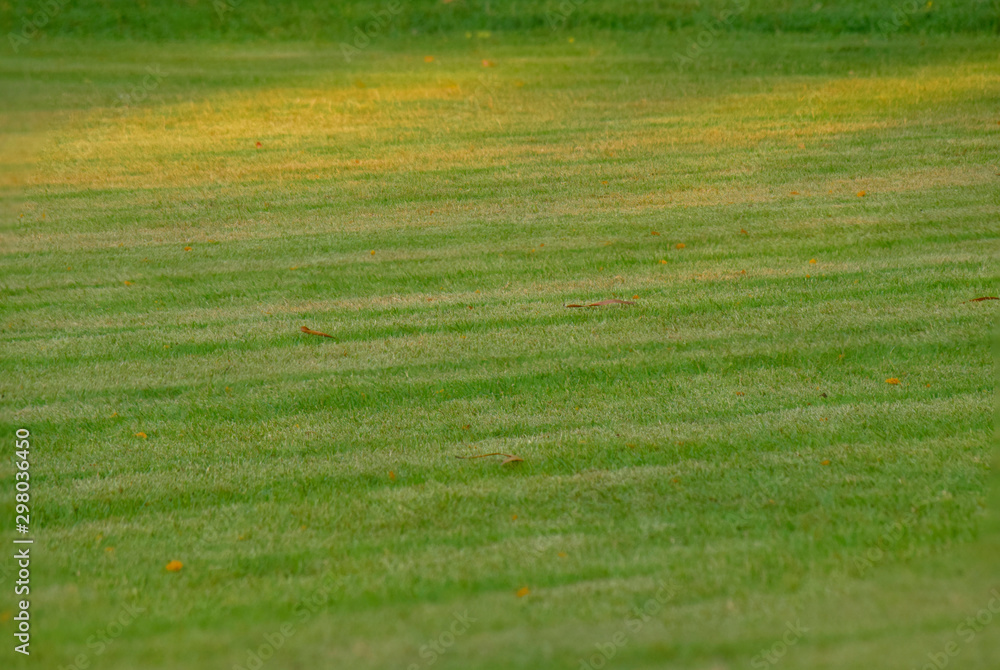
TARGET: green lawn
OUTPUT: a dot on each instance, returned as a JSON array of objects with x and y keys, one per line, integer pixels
[{"x": 716, "y": 471}]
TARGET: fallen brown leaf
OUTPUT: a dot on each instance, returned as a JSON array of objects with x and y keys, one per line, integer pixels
[
  {"x": 314, "y": 332},
  {"x": 612, "y": 301},
  {"x": 985, "y": 297}
]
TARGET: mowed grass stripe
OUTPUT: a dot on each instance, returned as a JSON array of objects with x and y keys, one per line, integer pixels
[
  {"x": 641, "y": 345},
  {"x": 619, "y": 264},
  {"x": 561, "y": 443},
  {"x": 319, "y": 213}
]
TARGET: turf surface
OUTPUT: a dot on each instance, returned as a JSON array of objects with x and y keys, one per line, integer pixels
[{"x": 800, "y": 220}]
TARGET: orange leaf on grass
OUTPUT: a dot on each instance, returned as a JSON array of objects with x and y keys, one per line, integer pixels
[
  {"x": 141, "y": 434},
  {"x": 892, "y": 380},
  {"x": 174, "y": 566},
  {"x": 681, "y": 245},
  {"x": 523, "y": 591},
  {"x": 314, "y": 332}
]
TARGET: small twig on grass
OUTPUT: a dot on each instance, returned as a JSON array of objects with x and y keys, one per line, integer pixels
[
  {"x": 612, "y": 301},
  {"x": 985, "y": 297}
]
